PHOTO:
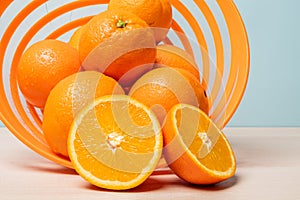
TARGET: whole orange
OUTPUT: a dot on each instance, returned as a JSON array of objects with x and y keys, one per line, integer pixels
[
  {"x": 162, "y": 88},
  {"x": 156, "y": 13},
  {"x": 67, "y": 98},
  {"x": 175, "y": 57},
  {"x": 42, "y": 66},
  {"x": 118, "y": 44}
]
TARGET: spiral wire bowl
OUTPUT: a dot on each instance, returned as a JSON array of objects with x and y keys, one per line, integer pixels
[{"x": 212, "y": 31}]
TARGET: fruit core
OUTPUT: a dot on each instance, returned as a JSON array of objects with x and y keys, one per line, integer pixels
[
  {"x": 114, "y": 140},
  {"x": 206, "y": 144}
]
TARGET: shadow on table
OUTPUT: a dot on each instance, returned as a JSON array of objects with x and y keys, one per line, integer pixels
[
  {"x": 156, "y": 182},
  {"x": 219, "y": 186},
  {"x": 50, "y": 168},
  {"x": 150, "y": 184}
]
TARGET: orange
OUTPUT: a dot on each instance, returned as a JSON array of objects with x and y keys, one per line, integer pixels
[
  {"x": 156, "y": 13},
  {"x": 194, "y": 148},
  {"x": 115, "y": 148},
  {"x": 172, "y": 56},
  {"x": 42, "y": 66},
  {"x": 162, "y": 88},
  {"x": 66, "y": 99},
  {"x": 119, "y": 44},
  {"x": 75, "y": 38}
]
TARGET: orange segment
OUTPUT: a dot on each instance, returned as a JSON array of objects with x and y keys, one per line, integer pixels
[
  {"x": 197, "y": 152},
  {"x": 115, "y": 142}
]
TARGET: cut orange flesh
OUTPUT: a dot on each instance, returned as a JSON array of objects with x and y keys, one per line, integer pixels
[
  {"x": 194, "y": 148},
  {"x": 115, "y": 142}
]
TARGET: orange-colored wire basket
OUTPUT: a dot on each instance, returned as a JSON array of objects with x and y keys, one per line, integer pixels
[{"x": 212, "y": 31}]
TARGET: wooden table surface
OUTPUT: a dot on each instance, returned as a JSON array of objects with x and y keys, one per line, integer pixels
[{"x": 268, "y": 167}]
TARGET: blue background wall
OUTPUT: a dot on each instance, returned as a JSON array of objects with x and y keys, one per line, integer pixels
[{"x": 273, "y": 93}]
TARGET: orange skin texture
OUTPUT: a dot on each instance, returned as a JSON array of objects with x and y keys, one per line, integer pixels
[
  {"x": 67, "y": 98},
  {"x": 203, "y": 101},
  {"x": 162, "y": 88},
  {"x": 42, "y": 66},
  {"x": 175, "y": 57},
  {"x": 75, "y": 38},
  {"x": 156, "y": 13},
  {"x": 131, "y": 40}
]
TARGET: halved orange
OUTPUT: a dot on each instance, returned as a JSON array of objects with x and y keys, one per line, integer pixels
[
  {"x": 115, "y": 142},
  {"x": 194, "y": 148}
]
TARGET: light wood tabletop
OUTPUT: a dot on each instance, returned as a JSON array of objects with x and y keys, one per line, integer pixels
[{"x": 268, "y": 167}]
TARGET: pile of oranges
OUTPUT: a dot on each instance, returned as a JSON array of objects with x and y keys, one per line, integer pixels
[{"x": 116, "y": 101}]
